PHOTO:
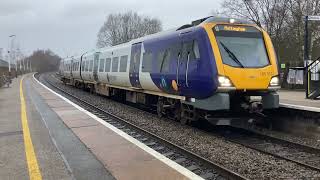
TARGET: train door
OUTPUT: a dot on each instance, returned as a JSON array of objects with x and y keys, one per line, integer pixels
[
  {"x": 183, "y": 60},
  {"x": 135, "y": 65},
  {"x": 95, "y": 66}
]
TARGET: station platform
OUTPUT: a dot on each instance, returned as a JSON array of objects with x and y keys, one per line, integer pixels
[
  {"x": 296, "y": 100},
  {"x": 45, "y": 136}
]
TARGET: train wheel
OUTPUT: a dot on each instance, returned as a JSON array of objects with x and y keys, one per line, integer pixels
[
  {"x": 160, "y": 108},
  {"x": 184, "y": 118},
  {"x": 177, "y": 112}
]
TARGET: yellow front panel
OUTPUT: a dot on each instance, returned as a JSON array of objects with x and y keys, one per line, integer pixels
[
  {"x": 245, "y": 78},
  {"x": 249, "y": 79}
]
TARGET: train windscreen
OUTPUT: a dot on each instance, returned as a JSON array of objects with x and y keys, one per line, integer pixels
[{"x": 241, "y": 46}]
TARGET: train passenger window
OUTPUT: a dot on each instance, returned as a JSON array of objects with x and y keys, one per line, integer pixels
[
  {"x": 175, "y": 50},
  {"x": 123, "y": 63},
  {"x": 115, "y": 64},
  {"x": 160, "y": 60},
  {"x": 107, "y": 65},
  {"x": 101, "y": 65},
  {"x": 187, "y": 50},
  {"x": 87, "y": 65},
  {"x": 147, "y": 62},
  {"x": 82, "y": 66},
  {"x": 165, "y": 65},
  {"x": 196, "y": 50},
  {"x": 91, "y": 66}
]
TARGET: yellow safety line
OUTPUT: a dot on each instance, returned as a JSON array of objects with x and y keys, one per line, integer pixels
[{"x": 33, "y": 167}]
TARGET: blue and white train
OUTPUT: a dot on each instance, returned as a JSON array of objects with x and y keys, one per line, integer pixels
[{"x": 213, "y": 64}]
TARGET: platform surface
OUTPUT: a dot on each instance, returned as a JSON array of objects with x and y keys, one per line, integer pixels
[
  {"x": 296, "y": 100},
  {"x": 69, "y": 143}
]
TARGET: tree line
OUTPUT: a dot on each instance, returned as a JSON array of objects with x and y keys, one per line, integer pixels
[{"x": 43, "y": 61}]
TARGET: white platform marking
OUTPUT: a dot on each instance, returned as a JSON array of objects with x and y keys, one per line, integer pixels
[
  {"x": 300, "y": 107},
  {"x": 144, "y": 147}
]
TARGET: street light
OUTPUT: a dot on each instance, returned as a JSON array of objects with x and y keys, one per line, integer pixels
[{"x": 10, "y": 51}]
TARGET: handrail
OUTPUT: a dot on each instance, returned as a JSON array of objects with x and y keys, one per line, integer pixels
[{"x": 317, "y": 60}]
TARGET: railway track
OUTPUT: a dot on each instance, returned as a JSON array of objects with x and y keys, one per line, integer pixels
[
  {"x": 306, "y": 156},
  {"x": 303, "y": 155},
  {"x": 191, "y": 161}
]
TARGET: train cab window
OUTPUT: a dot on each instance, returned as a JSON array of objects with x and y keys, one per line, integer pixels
[
  {"x": 123, "y": 63},
  {"x": 107, "y": 65},
  {"x": 115, "y": 64},
  {"x": 101, "y": 65},
  {"x": 165, "y": 65},
  {"x": 147, "y": 62}
]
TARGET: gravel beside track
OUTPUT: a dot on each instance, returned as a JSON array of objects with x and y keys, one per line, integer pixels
[
  {"x": 292, "y": 138},
  {"x": 245, "y": 161}
]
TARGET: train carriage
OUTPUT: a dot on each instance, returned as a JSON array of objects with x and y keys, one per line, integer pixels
[{"x": 211, "y": 65}]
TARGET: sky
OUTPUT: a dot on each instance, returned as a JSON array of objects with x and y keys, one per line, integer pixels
[{"x": 70, "y": 27}]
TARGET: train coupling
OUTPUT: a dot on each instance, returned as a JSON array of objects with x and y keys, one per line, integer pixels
[{"x": 254, "y": 107}]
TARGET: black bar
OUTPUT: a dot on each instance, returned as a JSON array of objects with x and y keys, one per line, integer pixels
[{"x": 306, "y": 54}]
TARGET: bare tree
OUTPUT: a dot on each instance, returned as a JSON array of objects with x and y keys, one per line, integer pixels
[
  {"x": 121, "y": 28},
  {"x": 282, "y": 19}
]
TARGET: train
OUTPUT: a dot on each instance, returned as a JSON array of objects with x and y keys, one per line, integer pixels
[{"x": 213, "y": 65}]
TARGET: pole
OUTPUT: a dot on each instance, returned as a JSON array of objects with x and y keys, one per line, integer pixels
[
  {"x": 306, "y": 55},
  {"x": 11, "y": 52}
]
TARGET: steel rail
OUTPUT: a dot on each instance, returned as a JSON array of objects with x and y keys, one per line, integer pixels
[{"x": 226, "y": 173}]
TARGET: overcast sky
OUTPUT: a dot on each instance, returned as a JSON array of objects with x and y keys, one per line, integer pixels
[{"x": 69, "y": 27}]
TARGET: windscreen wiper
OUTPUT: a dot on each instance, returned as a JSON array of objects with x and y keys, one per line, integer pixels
[{"x": 231, "y": 55}]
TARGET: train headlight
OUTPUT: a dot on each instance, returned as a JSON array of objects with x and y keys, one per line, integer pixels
[
  {"x": 275, "y": 81},
  {"x": 224, "y": 81}
]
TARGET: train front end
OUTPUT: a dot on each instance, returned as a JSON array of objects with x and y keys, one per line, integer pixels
[{"x": 246, "y": 64}]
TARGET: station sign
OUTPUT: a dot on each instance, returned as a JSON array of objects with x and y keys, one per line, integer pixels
[{"x": 313, "y": 18}]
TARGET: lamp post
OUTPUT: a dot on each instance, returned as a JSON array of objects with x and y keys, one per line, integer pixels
[{"x": 10, "y": 51}]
